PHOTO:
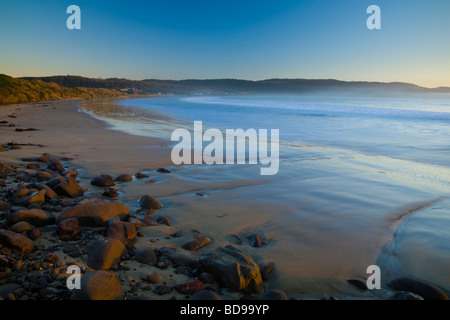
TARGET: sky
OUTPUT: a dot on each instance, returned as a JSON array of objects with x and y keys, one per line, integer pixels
[{"x": 245, "y": 39}]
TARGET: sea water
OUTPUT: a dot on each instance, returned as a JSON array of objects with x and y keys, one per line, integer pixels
[{"x": 363, "y": 179}]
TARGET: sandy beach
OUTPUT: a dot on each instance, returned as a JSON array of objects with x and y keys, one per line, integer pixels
[{"x": 315, "y": 238}]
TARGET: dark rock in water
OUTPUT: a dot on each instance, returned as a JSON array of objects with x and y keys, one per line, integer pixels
[
  {"x": 21, "y": 227},
  {"x": 99, "y": 285},
  {"x": 266, "y": 270},
  {"x": 205, "y": 295},
  {"x": 164, "y": 170},
  {"x": 125, "y": 232},
  {"x": 275, "y": 295},
  {"x": 34, "y": 234},
  {"x": 103, "y": 180},
  {"x": 44, "y": 158},
  {"x": 124, "y": 178},
  {"x": 111, "y": 193},
  {"x": 55, "y": 165},
  {"x": 96, "y": 213},
  {"x": 233, "y": 268},
  {"x": 255, "y": 240},
  {"x": 103, "y": 254},
  {"x": 68, "y": 229},
  {"x": 73, "y": 173},
  {"x": 190, "y": 287},
  {"x": 16, "y": 241},
  {"x": 151, "y": 181},
  {"x": 69, "y": 188},
  {"x": 146, "y": 255},
  {"x": 358, "y": 283},
  {"x": 36, "y": 217},
  {"x": 163, "y": 220},
  {"x": 403, "y": 295},
  {"x": 148, "y": 202},
  {"x": 141, "y": 175},
  {"x": 425, "y": 290},
  {"x": 55, "y": 180},
  {"x": 199, "y": 240}
]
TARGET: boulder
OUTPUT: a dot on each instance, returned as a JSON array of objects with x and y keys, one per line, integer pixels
[
  {"x": 36, "y": 197},
  {"x": 233, "y": 268},
  {"x": 69, "y": 187},
  {"x": 21, "y": 227},
  {"x": 149, "y": 221},
  {"x": 4, "y": 205},
  {"x": 148, "y": 202},
  {"x": 16, "y": 241},
  {"x": 423, "y": 289},
  {"x": 55, "y": 165},
  {"x": 146, "y": 255},
  {"x": 103, "y": 254},
  {"x": 123, "y": 178},
  {"x": 96, "y": 213},
  {"x": 163, "y": 170},
  {"x": 99, "y": 285},
  {"x": 183, "y": 259},
  {"x": 125, "y": 232},
  {"x": 44, "y": 175},
  {"x": 141, "y": 175},
  {"x": 5, "y": 170},
  {"x": 68, "y": 229},
  {"x": 49, "y": 193},
  {"x": 55, "y": 180},
  {"x": 103, "y": 180},
  {"x": 198, "y": 240},
  {"x": 36, "y": 217}
]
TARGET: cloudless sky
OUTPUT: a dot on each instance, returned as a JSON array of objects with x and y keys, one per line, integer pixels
[{"x": 246, "y": 39}]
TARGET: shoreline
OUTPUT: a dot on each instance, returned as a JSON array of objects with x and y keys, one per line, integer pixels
[{"x": 193, "y": 197}]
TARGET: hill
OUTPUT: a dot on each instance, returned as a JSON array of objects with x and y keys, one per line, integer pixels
[{"x": 14, "y": 90}]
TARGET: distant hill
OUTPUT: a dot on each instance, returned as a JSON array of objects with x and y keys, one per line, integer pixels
[
  {"x": 235, "y": 86},
  {"x": 14, "y": 90}
]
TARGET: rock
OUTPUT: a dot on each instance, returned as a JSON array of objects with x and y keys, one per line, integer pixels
[
  {"x": 34, "y": 234},
  {"x": 44, "y": 175},
  {"x": 255, "y": 240},
  {"x": 275, "y": 295},
  {"x": 44, "y": 158},
  {"x": 95, "y": 214},
  {"x": 149, "y": 221},
  {"x": 4, "y": 206},
  {"x": 358, "y": 283},
  {"x": 123, "y": 178},
  {"x": 146, "y": 255},
  {"x": 69, "y": 229},
  {"x": 55, "y": 180},
  {"x": 233, "y": 268},
  {"x": 103, "y": 180},
  {"x": 163, "y": 170},
  {"x": 141, "y": 175},
  {"x": 191, "y": 287},
  {"x": 111, "y": 193},
  {"x": 69, "y": 187},
  {"x": 266, "y": 270},
  {"x": 163, "y": 220},
  {"x": 5, "y": 170},
  {"x": 425, "y": 290},
  {"x": 164, "y": 289},
  {"x": 22, "y": 226},
  {"x": 8, "y": 288},
  {"x": 49, "y": 193},
  {"x": 151, "y": 278},
  {"x": 403, "y": 295},
  {"x": 125, "y": 232},
  {"x": 36, "y": 217},
  {"x": 199, "y": 240},
  {"x": 148, "y": 202},
  {"x": 33, "y": 166},
  {"x": 205, "y": 295},
  {"x": 73, "y": 173},
  {"x": 183, "y": 259},
  {"x": 55, "y": 165},
  {"x": 151, "y": 181},
  {"x": 99, "y": 285},
  {"x": 36, "y": 197},
  {"x": 103, "y": 254},
  {"x": 16, "y": 241}
]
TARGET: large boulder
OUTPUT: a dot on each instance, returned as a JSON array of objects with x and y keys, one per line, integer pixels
[
  {"x": 125, "y": 232},
  {"x": 36, "y": 197},
  {"x": 146, "y": 255},
  {"x": 49, "y": 193},
  {"x": 103, "y": 254},
  {"x": 103, "y": 180},
  {"x": 99, "y": 285},
  {"x": 69, "y": 187},
  {"x": 96, "y": 213},
  {"x": 198, "y": 240},
  {"x": 68, "y": 229},
  {"x": 233, "y": 268},
  {"x": 36, "y": 217},
  {"x": 55, "y": 165},
  {"x": 16, "y": 241}
]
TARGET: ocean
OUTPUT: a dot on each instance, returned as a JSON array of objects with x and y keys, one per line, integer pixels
[{"x": 363, "y": 180}]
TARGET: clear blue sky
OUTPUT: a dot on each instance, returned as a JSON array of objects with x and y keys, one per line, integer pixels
[{"x": 247, "y": 39}]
